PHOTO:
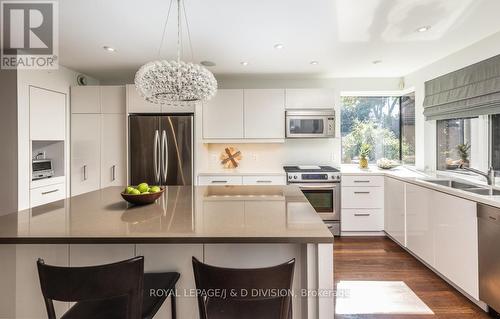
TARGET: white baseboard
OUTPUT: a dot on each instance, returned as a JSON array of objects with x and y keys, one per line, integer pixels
[{"x": 362, "y": 233}]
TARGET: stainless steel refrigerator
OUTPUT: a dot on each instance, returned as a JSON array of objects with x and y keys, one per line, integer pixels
[{"x": 161, "y": 149}]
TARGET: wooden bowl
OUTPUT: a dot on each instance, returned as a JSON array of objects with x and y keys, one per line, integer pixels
[{"x": 143, "y": 199}]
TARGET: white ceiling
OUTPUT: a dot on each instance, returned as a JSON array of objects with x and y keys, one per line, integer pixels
[{"x": 345, "y": 36}]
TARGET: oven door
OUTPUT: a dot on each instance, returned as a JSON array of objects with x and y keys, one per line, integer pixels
[
  {"x": 325, "y": 198},
  {"x": 306, "y": 126}
]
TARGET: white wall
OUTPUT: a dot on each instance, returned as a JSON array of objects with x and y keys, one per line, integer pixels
[
  {"x": 271, "y": 157},
  {"x": 426, "y": 130},
  {"x": 57, "y": 80}
]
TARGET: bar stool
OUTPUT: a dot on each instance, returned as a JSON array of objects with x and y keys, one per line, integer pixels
[
  {"x": 228, "y": 293},
  {"x": 119, "y": 290}
]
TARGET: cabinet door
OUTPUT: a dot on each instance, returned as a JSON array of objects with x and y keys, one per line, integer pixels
[
  {"x": 310, "y": 98},
  {"x": 85, "y": 99},
  {"x": 113, "y": 150},
  {"x": 456, "y": 241},
  {"x": 264, "y": 113},
  {"x": 47, "y": 115},
  {"x": 395, "y": 209},
  {"x": 223, "y": 115},
  {"x": 113, "y": 99},
  {"x": 85, "y": 153},
  {"x": 419, "y": 225},
  {"x": 137, "y": 104}
]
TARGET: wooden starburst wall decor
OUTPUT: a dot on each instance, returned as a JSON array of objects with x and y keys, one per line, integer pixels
[{"x": 230, "y": 157}]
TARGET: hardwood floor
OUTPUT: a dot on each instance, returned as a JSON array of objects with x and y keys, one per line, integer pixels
[{"x": 380, "y": 259}]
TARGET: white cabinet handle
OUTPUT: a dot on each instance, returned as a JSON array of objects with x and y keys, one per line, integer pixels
[
  {"x": 113, "y": 173},
  {"x": 50, "y": 192},
  {"x": 264, "y": 181},
  {"x": 84, "y": 172},
  {"x": 362, "y": 215},
  {"x": 361, "y": 181},
  {"x": 361, "y": 192},
  {"x": 219, "y": 182}
]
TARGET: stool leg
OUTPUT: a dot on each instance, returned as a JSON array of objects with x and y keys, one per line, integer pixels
[{"x": 173, "y": 306}]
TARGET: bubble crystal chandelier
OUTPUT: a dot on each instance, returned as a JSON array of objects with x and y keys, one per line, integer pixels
[{"x": 175, "y": 82}]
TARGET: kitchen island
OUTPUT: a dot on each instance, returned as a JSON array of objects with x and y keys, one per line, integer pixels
[{"x": 240, "y": 227}]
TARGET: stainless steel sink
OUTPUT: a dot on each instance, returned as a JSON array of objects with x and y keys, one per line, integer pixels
[
  {"x": 464, "y": 186},
  {"x": 483, "y": 191},
  {"x": 452, "y": 184}
]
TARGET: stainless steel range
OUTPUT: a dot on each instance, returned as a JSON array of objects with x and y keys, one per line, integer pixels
[{"x": 321, "y": 186}]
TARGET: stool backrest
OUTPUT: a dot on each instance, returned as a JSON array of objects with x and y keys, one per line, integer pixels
[
  {"x": 271, "y": 283},
  {"x": 122, "y": 279}
]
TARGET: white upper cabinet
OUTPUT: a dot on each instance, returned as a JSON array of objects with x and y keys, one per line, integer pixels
[
  {"x": 47, "y": 115},
  {"x": 113, "y": 99},
  {"x": 137, "y": 104},
  {"x": 85, "y": 99},
  {"x": 264, "y": 113},
  {"x": 85, "y": 153},
  {"x": 113, "y": 152},
  {"x": 98, "y": 99},
  {"x": 223, "y": 116},
  {"x": 309, "y": 98}
]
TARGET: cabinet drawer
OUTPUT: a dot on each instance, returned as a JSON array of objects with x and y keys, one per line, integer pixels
[
  {"x": 362, "y": 197},
  {"x": 362, "y": 180},
  {"x": 47, "y": 194},
  {"x": 220, "y": 180},
  {"x": 264, "y": 180},
  {"x": 362, "y": 220}
]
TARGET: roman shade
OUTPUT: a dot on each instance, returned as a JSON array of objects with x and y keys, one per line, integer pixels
[{"x": 468, "y": 92}]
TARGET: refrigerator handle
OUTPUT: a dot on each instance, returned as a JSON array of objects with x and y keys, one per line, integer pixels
[
  {"x": 164, "y": 153},
  {"x": 155, "y": 156}
]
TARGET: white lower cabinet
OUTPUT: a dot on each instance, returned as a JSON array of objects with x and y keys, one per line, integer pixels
[
  {"x": 442, "y": 230},
  {"x": 47, "y": 194},
  {"x": 362, "y": 204},
  {"x": 204, "y": 180},
  {"x": 419, "y": 225},
  {"x": 456, "y": 241},
  {"x": 394, "y": 208},
  {"x": 362, "y": 219}
]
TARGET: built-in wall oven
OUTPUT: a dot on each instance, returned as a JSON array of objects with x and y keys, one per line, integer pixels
[
  {"x": 310, "y": 123},
  {"x": 321, "y": 186}
]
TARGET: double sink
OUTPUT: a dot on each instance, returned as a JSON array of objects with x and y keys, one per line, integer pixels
[{"x": 472, "y": 188}]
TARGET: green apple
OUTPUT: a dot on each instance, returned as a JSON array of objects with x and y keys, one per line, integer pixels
[
  {"x": 128, "y": 190},
  {"x": 143, "y": 187},
  {"x": 145, "y": 193},
  {"x": 155, "y": 189},
  {"x": 135, "y": 192}
]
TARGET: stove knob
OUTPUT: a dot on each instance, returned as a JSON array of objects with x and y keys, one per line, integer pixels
[
  {"x": 289, "y": 176},
  {"x": 295, "y": 177}
]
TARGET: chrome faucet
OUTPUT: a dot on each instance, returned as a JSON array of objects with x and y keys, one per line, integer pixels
[{"x": 490, "y": 175}]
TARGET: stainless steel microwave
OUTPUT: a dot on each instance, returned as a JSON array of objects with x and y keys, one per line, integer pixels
[
  {"x": 42, "y": 168},
  {"x": 310, "y": 123}
]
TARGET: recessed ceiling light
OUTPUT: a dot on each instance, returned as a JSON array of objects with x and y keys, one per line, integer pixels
[
  {"x": 377, "y": 62},
  {"x": 207, "y": 63},
  {"x": 278, "y": 46},
  {"x": 109, "y": 49},
  {"x": 314, "y": 62},
  {"x": 424, "y": 28},
  {"x": 244, "y": 63}
]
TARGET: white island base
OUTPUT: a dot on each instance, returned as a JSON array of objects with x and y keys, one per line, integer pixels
[{"x": 21, "y": 295}]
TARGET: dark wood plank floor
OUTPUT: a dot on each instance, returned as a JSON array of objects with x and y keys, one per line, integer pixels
[{"x": 380, "y": 259}]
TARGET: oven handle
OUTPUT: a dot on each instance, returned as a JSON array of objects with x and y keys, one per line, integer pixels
[{"x": 319, "y": 187}]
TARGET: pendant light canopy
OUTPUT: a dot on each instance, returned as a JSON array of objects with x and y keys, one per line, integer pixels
[{"x": 165, "y": 82}]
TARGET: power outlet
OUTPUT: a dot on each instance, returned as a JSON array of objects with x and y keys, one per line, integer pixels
[
  {"x": 214, "y": 157},
  {"x": 255, "y": 157}
]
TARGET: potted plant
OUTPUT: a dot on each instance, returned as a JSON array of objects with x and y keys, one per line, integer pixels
[
  {"x": 464, "y": 153},
  {"x": 364, "y": 152}
]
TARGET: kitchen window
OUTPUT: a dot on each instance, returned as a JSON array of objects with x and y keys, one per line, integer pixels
[
  {"x": 453, "y": 143},
  {"x": 495, "y": 141},
  {"x": 385, "y": 123}
]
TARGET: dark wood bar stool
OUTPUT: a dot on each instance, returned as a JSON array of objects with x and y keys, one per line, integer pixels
[
  {"x": 216, "y": 285},
  {"x": 119, "y": 290}
]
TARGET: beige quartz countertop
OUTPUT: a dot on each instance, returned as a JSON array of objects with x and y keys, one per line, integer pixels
[
  {"x": 240, "y": 172},
  {"x": 184, "y": 214},
  {"x": 420, "y": 178}
]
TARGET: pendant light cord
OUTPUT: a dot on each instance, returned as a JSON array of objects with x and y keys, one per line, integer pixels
[
  {"x": 179, "y": 31},
  {"x": 188, "y": 33},
  {"x": 164, "y": 30}
]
